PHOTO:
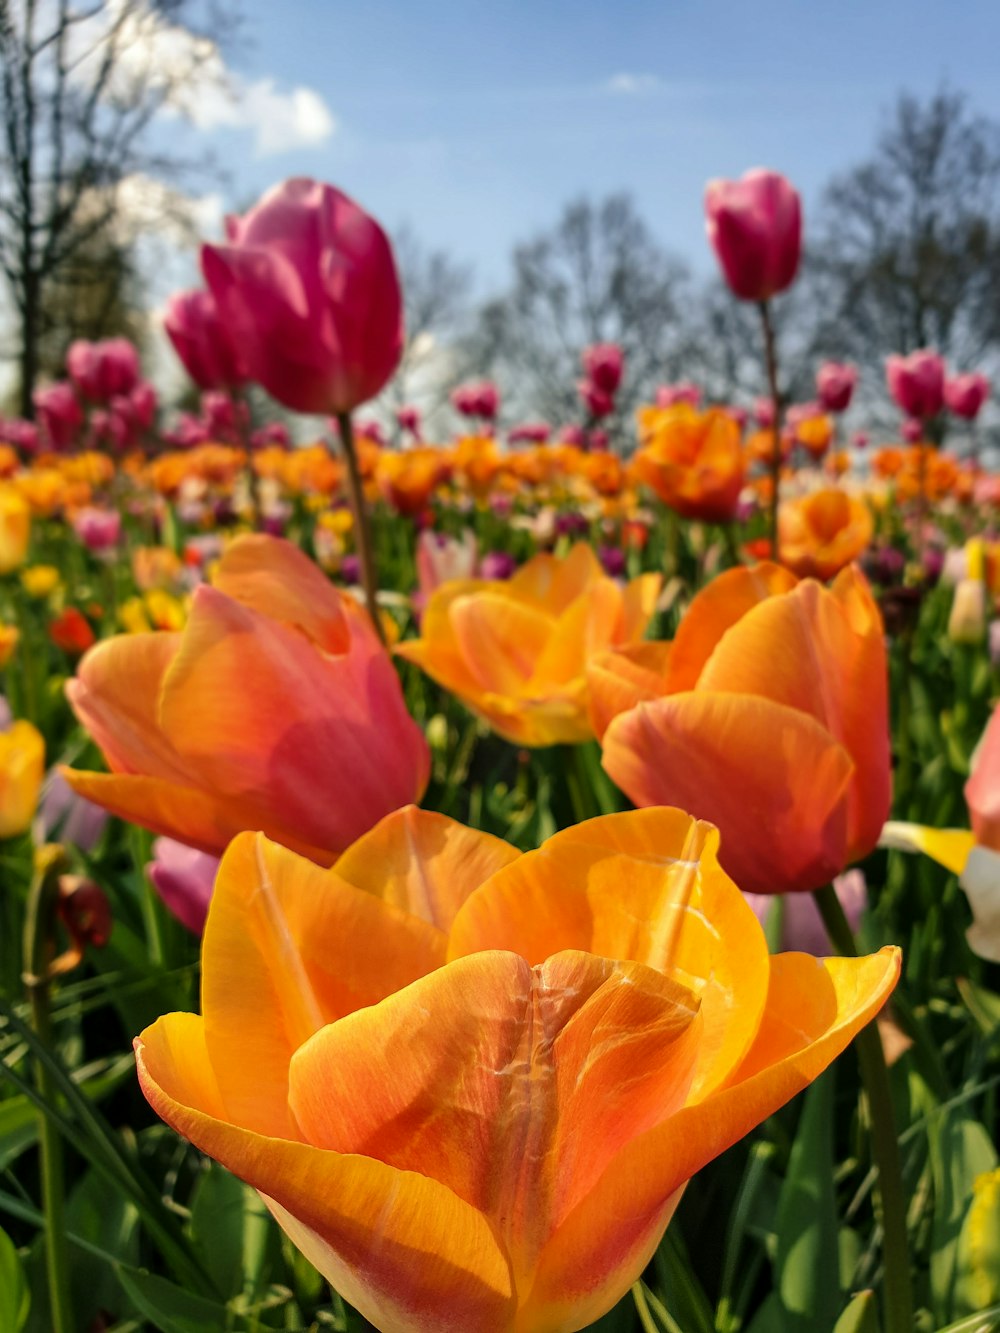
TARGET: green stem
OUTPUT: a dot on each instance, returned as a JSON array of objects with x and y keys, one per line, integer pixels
[
  {"x": 581, "y": 794},
  {"x": 885, "y": 1145},
  {"x": 362, "y": 527},
  {"x": 39, "y": 934},
  {"x": 771, "y": 360}
]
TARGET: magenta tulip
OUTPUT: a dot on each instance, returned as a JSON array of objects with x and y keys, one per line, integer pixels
[
  {"x": 530, "y": 432},
  {"x": 308, "y": 288},
  {"x": 755, "y": 227},
  {"x": 835, "y": 385},
  {"x": 103, "y": 370},
  {"x": 604, "y": 365},
  {"x": 964, "y": 395},
  {"x": 202, "y": 341},
  {"x": 408, "y": 419},
  {"x": 916, "y": 382},
  {"x": 59, "y": 413},
  {"x": 668, "y": 395},
  {"x": 598, "y": 402},
  {"x": 184, "y": 879}
]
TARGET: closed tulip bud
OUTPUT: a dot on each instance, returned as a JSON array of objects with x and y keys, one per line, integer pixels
[
  {"x": 598, "y": 402},
  {"x": 308, "y": 288},
  {"x": 835, "y": 386},
  {"x": 103, "y": 370},
  {"x": 755, "y": 228},
  {"x": 916, "y": 383},
  {"x": 202, "y": 340},
  {"x": 603, "y": 364},
  {"x": 408, "y": 418},
  {"x": 763, "y": 413},
  {"x": 59, "y": 414},
  {"x": 184, "y": 878},
  {"x": 964, "y": 395},
  {"x": 967, "y": 621}
]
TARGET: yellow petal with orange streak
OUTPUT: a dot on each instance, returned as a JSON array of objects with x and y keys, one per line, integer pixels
[
  {"x": 500, "y": 640},
  {"x": 589, "y": 625},
  {"x": 814, "y": 1008},
  {"x": 638, "y": 605},
  {"x": 514, "y": 1086},
  {"x": 276, "y": 578},
  {"x": 400, "y": 1247},
  {"x": 424, "y": 863},
  {"x": 550, "y": 583},
  {"x": 950, "y": 847},
  {"x": 772, "y": 780},
  {"x": 619, "y": 679},
  {"x": 718, "y": 606},
  {"x": 281, "y": 958},
  {"x": 644, "y": 885}
]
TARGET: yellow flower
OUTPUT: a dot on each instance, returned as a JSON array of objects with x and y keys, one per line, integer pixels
[
  {"x": 15, "y": 528},
  {"x": 40, "y": 580},
  {"x": 22, "y": 767}
]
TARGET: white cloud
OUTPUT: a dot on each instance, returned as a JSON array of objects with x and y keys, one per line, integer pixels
[
  {"x": 280, "y": 121},
  {"x": 632, "y": 85}
]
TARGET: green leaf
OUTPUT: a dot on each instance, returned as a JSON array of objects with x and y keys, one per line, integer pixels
[
  {"x": 233, "y": 1231},
  {"x": 15, "y": 1298},
  {"x": 680, "y": 1291},
  {"x": 807, "y": 1280},
  {"x": 960, "y": 1150},
  {"x": 171, "y": 1309},
  {"x": 861, "y": 1316}
]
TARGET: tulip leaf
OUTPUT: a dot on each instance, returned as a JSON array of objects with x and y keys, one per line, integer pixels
[
  {"x": 680, "y": 1290},
  {"x": 861, "y": 1315},
  {"x": 960, "y": 1150},
  {"x": 806, "y": 1268},
  {"x": 15, "y": 1298},
  {"x": 232, "y": 1229},
  {"x": 171, "y": 1309}
]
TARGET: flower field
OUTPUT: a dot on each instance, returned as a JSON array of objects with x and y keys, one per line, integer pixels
[{"x": 541, "y": 879}]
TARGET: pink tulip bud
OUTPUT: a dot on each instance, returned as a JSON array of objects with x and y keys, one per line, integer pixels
[
  {"x": 755, "y": 228},
  {"x": 103, "y": 370},
  {"x": 596, "y": 400},
  {"x": 203, "y": 342},
  {"x": 604, "y": 364},
  {"x": 408, "y": 418},
  {"x": 98, "y": 529},
  {"x": 916, "y": 382},
  {"x": 763, "y": 413},
  {"x": 184, "y": 879},
  {"x": 309, "y": 290},
  {"x": 835, "y": 386},
  {"x": 911, "y": 431},
  {"x": 964, "y": 395},
  {"x": 668, "y": 395},
  {"x": 59, "y": 414},
  {"x": 574, "y": 435},
  {"x": 530, "y": 432}
]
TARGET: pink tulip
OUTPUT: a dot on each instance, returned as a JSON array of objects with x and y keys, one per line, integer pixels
[
  {"x": 202, "y": 341},
  {"x": 371, "y": 430},
  {"x": 574, "y": 435},
  {"x": 225, "y": 417},
  {"x": 755, "y": 228},
  {"x": 859, "y": 440},
  {"x": 604, "y": 364},
  {"x": 599, "y": 442},
  {"x": 964, "y": 395},
  {"x": 668, "y": 395},
  {"x": 23, "y": 435},
  {"x": 530, "y": 432},
  {"x": 596, "y": 400},
  {"x": 184, "y": 879},
  {"x": 103, "y": 370},
  {"x": 272, "y": 436},
  {"x": 442, "y": 559},
  {"x": 309, "y": 290},
  {"x": 916, "y": 382},
  {"x": 912, "y": 431},
  {"x": 835, "y": 385},
  {"x": 477, "y": 399},
  {"x": 59, "y": 413},
  {"x": 763, "y": 413},
  {"x": 802, "y": 929},
  {"x": 408, "y": 418},
  {"x": 98, "y": 529},
  {"x": 66, "y": 817},
  {"x": 737, "y": 414}
]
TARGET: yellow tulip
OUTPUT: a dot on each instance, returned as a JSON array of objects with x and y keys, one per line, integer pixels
[
  {"x": 22, "y": 767},
  {"x": 470, "y": 1084},
  {"x": 15, "y": 528},
  {"x": 516, "y": 652},
  {"x": 40, "y": 580}
]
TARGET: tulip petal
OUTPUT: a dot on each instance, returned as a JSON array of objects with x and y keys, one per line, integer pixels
[
  {"x": 500, "y": 640},
  {"x": 814, "y": 1008},
  {"x": 832, "y": 665},
  {"x": 280, "y": 960},
  {"x": 719, "y": 605},
  {"x": 644, "y": 885},
  {"x": 502, "y": 1081},
  {"x": 589, "y": 625},
  {"x": 400, "y": 1247},
  {"x": 620, "y": 679},
  {"x": 277, "y": 579},
  {"x": 437, "y": 650},
  {"x": 638, "y": 605},
  {"x": 765, "y": 774},
  {"x": 423, "y": 863},
  {"x": 949, "y": 847},
  {"x": 550, "y": 584}
]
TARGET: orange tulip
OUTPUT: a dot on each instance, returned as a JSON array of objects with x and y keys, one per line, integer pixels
[
  {"x": 276, "y": 708},
  {"x": 408, "y": 479},
  {"x": 15, "y": 529},
  {"x": 516, "y": 652},
  {"x": 769, "y": 717},
  {"x": 821, "y": 533},
  {"x": 495, "y": 1143},
  {"x": 692, "y": 460},
  {"x": 815, "y": 434}
]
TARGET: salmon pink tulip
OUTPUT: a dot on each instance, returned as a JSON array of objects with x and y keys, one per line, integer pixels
[
  {"x": 308, "y": 290},
  {"x": 516, "y": 652},
  {"x": 276, "y": 708},
  {"x": 483, "y": 1124},
  {"x": 755, "y": 228},
  {"x": 767, "y": 679}
]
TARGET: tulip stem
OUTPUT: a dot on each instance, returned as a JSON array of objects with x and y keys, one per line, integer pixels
[
  {"x": 362, "y": 527},
  {"x": 898, "y": 1294},
  {"x": 771, "y": 360},
  {"x": 39, "y": 930}
]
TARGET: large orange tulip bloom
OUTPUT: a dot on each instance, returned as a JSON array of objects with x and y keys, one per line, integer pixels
[
  {"x": 276, "y": 708},
  {"x": 820, "y": 534},
  {"x": 692, "y": 460},
  {"x": 516, "y": 652},
  {"x": 495, "y": 1143},
  {"x": 767, "y": 715}
]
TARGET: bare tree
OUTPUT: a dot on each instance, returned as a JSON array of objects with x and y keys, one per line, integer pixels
[
  {"x": 597, "y": 276},
  {"x": 79, "y": 87}
]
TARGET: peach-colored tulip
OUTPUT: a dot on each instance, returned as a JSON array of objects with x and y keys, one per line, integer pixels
[
  {"x": 495, "y": 1143},
  {"x": 692, "y": 460},
  {"x": 766, "y": 681},
  {"x": 276, "y": 708},
  {"x": 822, "y": 533},
  {"x": 516, "y": 652}
]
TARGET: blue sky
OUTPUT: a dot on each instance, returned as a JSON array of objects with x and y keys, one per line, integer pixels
[{"x": 475, "y": 123}]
